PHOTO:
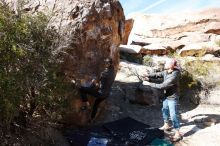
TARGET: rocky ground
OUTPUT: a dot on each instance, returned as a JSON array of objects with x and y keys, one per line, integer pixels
[{"x": 199, "y": 124}]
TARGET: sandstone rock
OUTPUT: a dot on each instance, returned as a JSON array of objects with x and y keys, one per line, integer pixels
[
  {"x": 180, "y": 29},
  {"x": 193, "y": 37},
  {"x": 210, "y": 57},
  {"x": 128, "y": 72},
  {"x": 128, "y": 78},
  {"x": 213, "y": 97},
  {"x": 167, "y": 42},
  {"x": 216, "y": 39},
  {"x": 90, "y": 31},
  {"x": 139, "y": 43},
  {"x": 95, "y": 38},
  {"x": 142, "y": 95},
  {"x": 199, "y": 49},
  {"x": 148, "y": 40},
  {"x": 133, "y": 49},
  {"x": 128, "y": 27},
  {"x": 213, "y": 27},
  {"x": 155, "y": 49}
]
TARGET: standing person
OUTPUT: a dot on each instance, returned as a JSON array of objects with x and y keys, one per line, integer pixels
[
  {"x": 170, "y": 85},
  {"x": 99, "y": 90}
]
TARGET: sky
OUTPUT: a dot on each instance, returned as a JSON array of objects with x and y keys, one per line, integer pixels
[{"x": 165, "y": 6}]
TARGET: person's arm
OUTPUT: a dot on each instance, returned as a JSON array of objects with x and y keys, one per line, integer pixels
[
  {"x": 104, "y": 74},
  {"x": 147, "y": 77},
  {"x": 103, "y": 77},
  {"x": 166, "y": 83},
  {"x": 156, "y": 75}
]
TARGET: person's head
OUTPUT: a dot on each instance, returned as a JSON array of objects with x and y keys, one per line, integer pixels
[
  {"x": 108, "y": 62},
  {"x": 170, "y": 64}
]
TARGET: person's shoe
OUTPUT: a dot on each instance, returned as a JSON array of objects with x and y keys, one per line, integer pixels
[{"x": 165, "y": 128}]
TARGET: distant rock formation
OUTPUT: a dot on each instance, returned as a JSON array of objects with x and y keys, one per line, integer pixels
[{"x": 176, "y": 31}]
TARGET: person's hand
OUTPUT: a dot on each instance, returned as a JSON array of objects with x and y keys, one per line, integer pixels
[
  {"x": 94, "y": 80},
  {"x": 75, "y": 83},
  {"x": 97, "y": 85},
  {"x": 146, "y": 83}
]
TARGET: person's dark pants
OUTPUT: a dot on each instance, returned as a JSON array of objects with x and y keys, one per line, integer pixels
[{"x": 93, "y": 92}]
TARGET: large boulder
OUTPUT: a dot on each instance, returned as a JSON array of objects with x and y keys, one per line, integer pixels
[
  {"x": 130, "y": 82},
  {"x": 97, "y": 32},
  {"x": 90, "y": 31},
  {"x": 192, "y": 37},
  {"x": 132, "y": 49},
  {"x": 155, "y": 49},
  {"x": 199, "y": 49}
]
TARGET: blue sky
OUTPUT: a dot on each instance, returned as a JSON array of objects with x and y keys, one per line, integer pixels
[{"x": 165, "y": 6}]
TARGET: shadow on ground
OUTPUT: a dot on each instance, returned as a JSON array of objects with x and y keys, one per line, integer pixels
[{"x": 199, "y": 122}]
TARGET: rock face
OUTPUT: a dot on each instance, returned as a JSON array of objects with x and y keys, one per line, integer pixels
[
  {"x": 97, "y": 31},
  {"x": 91, "y": 30},
  {"x": 128, "y": 79},
  {"x": 199, "y": 49},
  {"x": 132, "y": 49},
  {"x": 174, "y": 31},
  {"x": 155, "y": 49},
  {"x": 128, "y": 27}
]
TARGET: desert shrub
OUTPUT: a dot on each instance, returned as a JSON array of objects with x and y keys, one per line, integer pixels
[
  {"x": 199, "y": 76},
  {"x": 198, "y": 67},
  {"x": 187, "y": 81},
  {"x": 147, "y": 60},
  {"x": 28, "y": 66},
  {"x": 202, "y": 52}
]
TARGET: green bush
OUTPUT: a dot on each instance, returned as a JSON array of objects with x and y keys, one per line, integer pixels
[
  {"x": 187, "y": 81},
  {"x": 28, "y": 67},
  {"x": 147, "y": 60},
  {"x": 199, "y": 68}
]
